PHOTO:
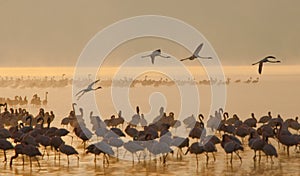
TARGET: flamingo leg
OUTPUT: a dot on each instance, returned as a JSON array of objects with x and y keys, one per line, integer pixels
[
  {"x": 180, "y": 154},
  {"x": 254, "y": 157},
  {"x": 37, "y": 160},
  {"x": 206, "y": 158},
  {"x": 138, "y": 156},
  {"x": 124, "y": 153},
  {"x": 5, "y": 159},
  {"x": 165, "y": 158},
  {"x": 103, "y": 159},
  {"x": 71, "y": 139},
  {"x": 106, "y": 158},
  {"x": 132, "y": 158},
  {"x": 239, "y": 156},
  {"x": 214, "y": 156},
  {"x": 43, "y": 153},
  {"x": 272, "y": 160},
  {"x": 117, "y": 152}
]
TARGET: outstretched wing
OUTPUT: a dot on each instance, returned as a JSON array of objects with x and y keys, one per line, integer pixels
[
  {"x": 196, "y": 52},
  {"x": 91, "y": 85},
  {"x": 152, "y": 59},
  {"x": 146, "y": 56},
  {"x": 270, "y": 57},
  {"x": 256, "y": 63},
  {"x": 189, "y": 58},
  {"x": 164, "y": 56},
  {"x": 260, "y": 67},
  {"x": 79, "y": 92},
  {"x": 184, "y": 59}
]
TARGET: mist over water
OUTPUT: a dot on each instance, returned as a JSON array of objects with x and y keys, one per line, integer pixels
[{"x": 276, "y": 91}]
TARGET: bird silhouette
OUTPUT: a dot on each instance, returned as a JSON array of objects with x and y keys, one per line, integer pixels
[
  {"x": 265, "y": 60},
  {"x": 68, "y": 150},
  {"x": 196, "y": 54},
  {"x": 88, "y": 89},
  {"x": 155, "y": 54}
]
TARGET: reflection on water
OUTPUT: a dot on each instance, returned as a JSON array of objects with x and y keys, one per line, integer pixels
[
  {"x": 273, "y": 93},
  {"x": 187, "y": 166}
]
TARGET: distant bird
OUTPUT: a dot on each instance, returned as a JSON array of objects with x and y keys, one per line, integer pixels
[
  {"x": 45, "y": 101},
  {"x": 161, "y": 148},
  {"x": 133, "y": 147},
  {"x": 251, "y": 122},
  {"x": 265, "y": 119},
  {"x": 98, "y": 148},
  {"x": 180, "y": 143},
  {"x": 68, "y": 150},
  {"x": 155, "y": 54},
  {"x": 31, "y": 151},
  {"x": 231, "y": 145},
  {"x": 266, "y": 59},
  {"x": 196, "y": 54},
  {"x": 115, "y": 142},
  {"x": 132, "y": 132},
  {"x": 270, "y": 150},
  {"x": 209, "y": 147},
  {"x": 55, "y": 143},
  {"x": 256, "y": 143},
  {"x": 5, "y": 145},
  {"x": 18, "y": 151},
  {"x": 196, "y": 149},
  {"x": 118, "y": 132},
  {"x": 88, "y": 89}
]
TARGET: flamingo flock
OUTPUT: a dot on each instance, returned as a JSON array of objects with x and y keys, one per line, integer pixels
[
  {"x": 33, "y": 136},
  {"x": 35, "y": 101}
]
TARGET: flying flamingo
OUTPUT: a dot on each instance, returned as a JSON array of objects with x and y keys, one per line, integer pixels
[
  {"x": 196, "y": 54},
  {"x": 88, "y": 89},
  {"x": 265, "y": 60},
  {"x": 155, "y": 54}
]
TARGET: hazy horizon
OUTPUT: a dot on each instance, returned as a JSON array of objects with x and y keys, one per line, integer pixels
[
  {"x": 53, "y": 33},
  {"x": 109, "y": 71}
]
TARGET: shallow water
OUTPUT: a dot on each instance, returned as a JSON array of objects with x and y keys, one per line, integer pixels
[
  {"x": 283, "y": 165},
  {"x": 278, "y": 94}
]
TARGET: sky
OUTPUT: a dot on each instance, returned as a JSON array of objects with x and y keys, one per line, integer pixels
[{"x": 54, "y": 32}]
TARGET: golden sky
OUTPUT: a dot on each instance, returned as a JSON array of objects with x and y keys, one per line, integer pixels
[{"x": 54, "y": 32}]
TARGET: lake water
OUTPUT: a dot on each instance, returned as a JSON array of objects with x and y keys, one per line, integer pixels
[{"x": 276, "y": 92}]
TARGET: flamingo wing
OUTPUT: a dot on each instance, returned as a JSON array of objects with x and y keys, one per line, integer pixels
[
  {"x": 91, "y": 85},
  {"x": 260, "y": 67},
  {"x": 152, "y": 59},
  {"x": 164, "y": 56},
  {"x": 189, "y": 58},
  {"x": 79, "y": 92},
  {"x": 196, "y": 52},
  {"x": 270, "y": 57},
  {"x": 184, "y": 59}
]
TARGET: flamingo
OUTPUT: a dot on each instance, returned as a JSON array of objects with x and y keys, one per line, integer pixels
[
  {"x": 45, "y": 101},
  {"x": 196, "y": 54},
  {"x": 88, "y": 89},
  {"x": 265, "y": 60},
  {"x": 68, "y": 150},
  {"x": 155, "y": 54}
]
